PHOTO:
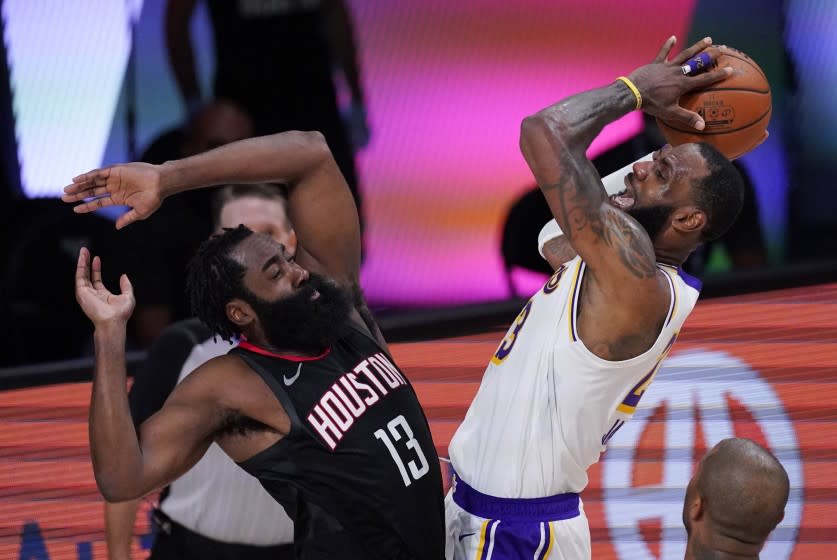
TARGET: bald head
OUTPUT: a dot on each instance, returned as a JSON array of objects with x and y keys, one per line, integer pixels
[{"x": 738, "y": 496}]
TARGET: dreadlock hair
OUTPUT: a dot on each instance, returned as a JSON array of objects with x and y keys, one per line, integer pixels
[
  {"x": 720, "y": 194},
  {"x": 213, "y": 278}
]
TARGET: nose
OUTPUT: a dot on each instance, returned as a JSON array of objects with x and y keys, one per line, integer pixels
[
  {"x": 641, "y": 169},
  {"x": 300, "y": 275}
]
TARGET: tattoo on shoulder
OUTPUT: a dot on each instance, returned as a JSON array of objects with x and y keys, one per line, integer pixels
[
  {"x": 634, "y": 246},
  {"x": 581, "y": 205}
]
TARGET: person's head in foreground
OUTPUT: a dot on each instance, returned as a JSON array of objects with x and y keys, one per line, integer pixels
[
  {"x": 733, "y": 502},
  {"x": 246, "y": 283},
  {"x": 687, "y": 195}
]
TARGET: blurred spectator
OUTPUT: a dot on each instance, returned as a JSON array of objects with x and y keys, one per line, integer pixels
[
  {"x": 158, "y": 249},
  {"x": 215, "y": 510},
  {"x": 275, "y": 59}
]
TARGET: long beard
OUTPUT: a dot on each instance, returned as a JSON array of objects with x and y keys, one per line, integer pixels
[
  {"x": 303, "y": 324},
  {"x": 652, "y": 218}
]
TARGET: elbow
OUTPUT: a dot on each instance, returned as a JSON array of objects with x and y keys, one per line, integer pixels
[
  {"x": 114, "y": 492},
  {"x": 313, "y": 142},
  {"x": 531, "y": 126}
]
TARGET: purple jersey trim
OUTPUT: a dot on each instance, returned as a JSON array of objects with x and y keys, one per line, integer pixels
[{"x": 550, "y": 508}]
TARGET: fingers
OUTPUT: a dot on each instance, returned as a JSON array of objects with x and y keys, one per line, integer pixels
[
  {"x": 79, "y": 194},
  {"x": 709, "y": 78},
  {"x": 665, "y": 49},
  {"x": 686, "y": 54},
  {"x": 687, "y": 118},
  {"x": 127, "y": 218},
  {"x": 92, "y": 205},
  {"x": 82, "y": 274},
  {"x": 96, "y": 174},
  {"x": 97, "y": 274},
  {"x": 125, "y": 285}
]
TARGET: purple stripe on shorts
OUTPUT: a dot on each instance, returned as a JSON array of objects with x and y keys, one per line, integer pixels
[{"x": 551, "y": 508}]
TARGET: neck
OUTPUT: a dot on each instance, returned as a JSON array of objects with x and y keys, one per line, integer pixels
[
  {"x": 259, "y": 340},
  {"x": 667, "y": 253}
]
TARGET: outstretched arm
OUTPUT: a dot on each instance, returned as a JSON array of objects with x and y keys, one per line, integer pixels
[
  {"x": 319, "y": 202},
  {"x": 172, "y": 440},
  {"x": 554, "y": 143}
]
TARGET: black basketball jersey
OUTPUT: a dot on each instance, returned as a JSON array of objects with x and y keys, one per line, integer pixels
[{"x": 359, "y": 447}]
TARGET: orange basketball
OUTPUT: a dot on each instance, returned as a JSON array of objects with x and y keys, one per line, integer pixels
[{"x": 736, "y": 110}]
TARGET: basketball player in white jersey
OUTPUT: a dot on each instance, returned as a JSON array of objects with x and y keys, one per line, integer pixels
[{"x": 575, "y": 363}]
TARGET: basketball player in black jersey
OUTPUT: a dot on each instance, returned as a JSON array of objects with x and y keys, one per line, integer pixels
[{"x": 310, "y": 402}]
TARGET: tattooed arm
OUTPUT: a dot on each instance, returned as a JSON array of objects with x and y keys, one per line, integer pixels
[{"x": 554, "y": 142}]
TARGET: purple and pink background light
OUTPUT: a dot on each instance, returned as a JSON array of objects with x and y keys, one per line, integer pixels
[{"x": 448, "y": 84}]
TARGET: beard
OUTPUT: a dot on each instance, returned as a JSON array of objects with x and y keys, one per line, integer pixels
[
  {"x": 652, "y": 218},
  {"x": 303, "y": 324}
]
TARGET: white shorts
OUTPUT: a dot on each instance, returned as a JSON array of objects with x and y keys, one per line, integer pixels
[{"x": 513, "y": 536}]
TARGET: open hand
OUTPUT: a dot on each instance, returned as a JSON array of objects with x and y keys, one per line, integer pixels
[
  {"x": 661, "y": 83},
  {"x": 131, "y": 184},
  {"x": 95, "y": 300}
]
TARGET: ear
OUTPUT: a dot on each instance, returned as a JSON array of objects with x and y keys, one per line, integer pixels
[
  {"x": 688, "y": 219},
  {"x": 291, "y": 244},
  {"x": 696, "y": 509},
  {"x": 239, "y": 312}
]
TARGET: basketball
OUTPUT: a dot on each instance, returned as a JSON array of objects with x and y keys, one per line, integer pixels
[{"x": 736, "y": 110}]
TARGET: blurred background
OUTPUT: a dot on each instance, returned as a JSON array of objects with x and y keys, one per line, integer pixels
[{"x": 421, "y": 101}]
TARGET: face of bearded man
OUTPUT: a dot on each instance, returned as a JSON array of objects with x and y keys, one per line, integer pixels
[
  {"x": 652, "y": 218},
  {"x": 310, "y": 320}
]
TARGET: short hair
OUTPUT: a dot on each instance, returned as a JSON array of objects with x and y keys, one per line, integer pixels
[
  {"x": 720, "y": 194},
  {"x": 745, "y": 489},
  {"x": 267, "y": 191},
  {"x": 213, "y": 278}
]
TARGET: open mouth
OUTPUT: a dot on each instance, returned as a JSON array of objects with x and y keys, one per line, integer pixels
[
  {"x": 315, "y": 295},
  {"x": 626, "y": 198}
]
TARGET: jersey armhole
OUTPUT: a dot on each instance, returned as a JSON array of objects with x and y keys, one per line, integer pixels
[
  {"x": 573, "y": 322},
  {"x": 277, "y": 389}
]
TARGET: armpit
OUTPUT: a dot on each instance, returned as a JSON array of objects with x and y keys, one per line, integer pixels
[{"x": 557, "y": 251}]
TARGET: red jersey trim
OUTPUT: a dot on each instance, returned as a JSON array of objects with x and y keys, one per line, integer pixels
[{"x": 258, "y": 350}]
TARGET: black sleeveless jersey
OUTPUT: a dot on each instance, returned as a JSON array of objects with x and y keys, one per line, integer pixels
[{"x": 359, "y": 449}]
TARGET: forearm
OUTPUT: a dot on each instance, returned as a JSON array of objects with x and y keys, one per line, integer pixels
[
  {"x": 554, "y": 143},
  {"x": 572, "y": 124},
  {"x": 114, "y": 448},
  {"x": 287, "y": 157},
  {"x": 119, "y": 528}
]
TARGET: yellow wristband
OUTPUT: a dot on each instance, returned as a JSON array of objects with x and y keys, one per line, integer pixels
[{"x": 632, "y": 87}]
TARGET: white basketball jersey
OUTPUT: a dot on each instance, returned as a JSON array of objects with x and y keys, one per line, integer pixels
[{"x": 547, "y": 406}]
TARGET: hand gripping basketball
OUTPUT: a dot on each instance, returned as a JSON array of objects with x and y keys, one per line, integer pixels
[
  {"x": 736, "y": 110},
  {"x": 662, "y": 83}
]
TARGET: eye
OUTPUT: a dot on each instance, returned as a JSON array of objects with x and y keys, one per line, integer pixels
[
  {"x": 278, "y": 273},
  {"x": 659, "y": 173}
]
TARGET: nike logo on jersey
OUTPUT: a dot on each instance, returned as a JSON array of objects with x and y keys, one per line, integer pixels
[
  {"x": 290, "y": 381},
  {"x": 463, "y": 535}
]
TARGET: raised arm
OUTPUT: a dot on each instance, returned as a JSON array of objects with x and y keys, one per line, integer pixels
[
  {"x": 555, "y": 140},
  {"x": 320, "y": 204},
  {"x": 174, "y": 439}
]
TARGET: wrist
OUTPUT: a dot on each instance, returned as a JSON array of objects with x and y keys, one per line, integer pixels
[
  {"x": 110, "y": 332},
  {"x": 630, "y": 90},
  {"x": 170, "y": 178}
]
